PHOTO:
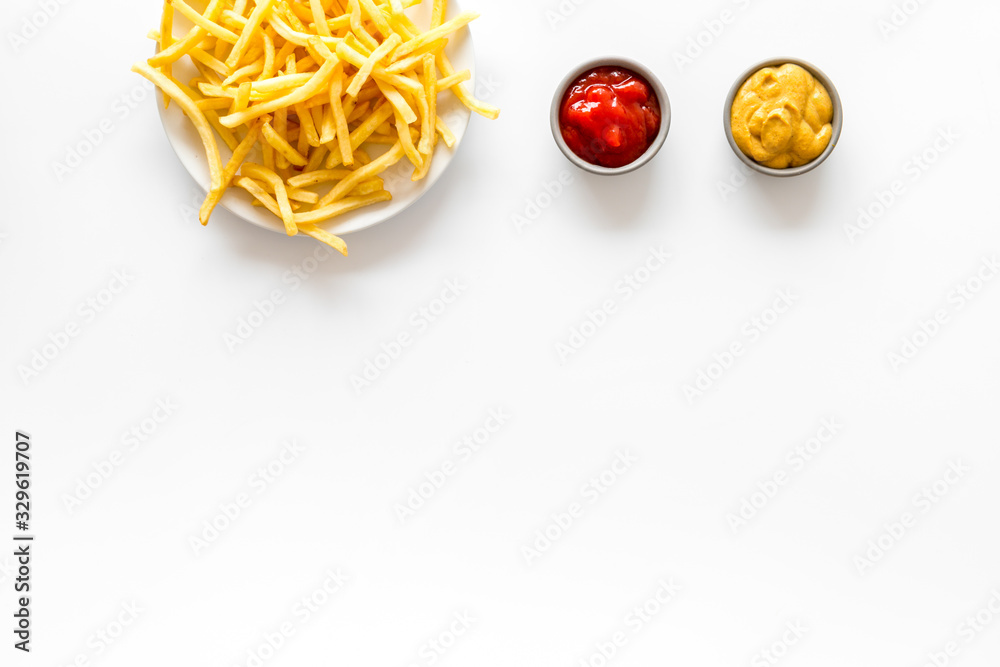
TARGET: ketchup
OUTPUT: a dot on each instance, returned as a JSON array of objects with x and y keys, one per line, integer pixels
[{"x": 610, "y": 116}]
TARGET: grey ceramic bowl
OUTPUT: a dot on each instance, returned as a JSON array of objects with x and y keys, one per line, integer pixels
[
  {"x": 661, "y": 96},
  {"x": 838, "y": 117}
]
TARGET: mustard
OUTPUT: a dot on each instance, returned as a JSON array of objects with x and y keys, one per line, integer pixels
[{"x": 781, "y": 117}]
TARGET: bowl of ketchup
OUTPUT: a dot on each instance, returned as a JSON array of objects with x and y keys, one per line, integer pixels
[{"x": 610, "y": 116}]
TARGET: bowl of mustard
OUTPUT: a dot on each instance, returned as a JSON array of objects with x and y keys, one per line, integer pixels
[{"x": 783, "y": 117}]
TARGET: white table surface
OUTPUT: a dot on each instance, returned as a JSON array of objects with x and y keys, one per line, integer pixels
[{"x": 156, "y": 335}]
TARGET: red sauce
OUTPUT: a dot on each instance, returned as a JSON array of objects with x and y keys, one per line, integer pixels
[{"x": 610, "y": 116}]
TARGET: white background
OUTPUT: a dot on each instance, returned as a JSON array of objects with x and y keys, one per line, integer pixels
[{"x": 128, "y": 206}]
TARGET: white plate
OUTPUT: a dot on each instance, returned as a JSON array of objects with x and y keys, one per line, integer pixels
[{"x": 184, "y": 139}]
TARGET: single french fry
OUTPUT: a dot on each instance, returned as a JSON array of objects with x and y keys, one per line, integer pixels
[
  {"x": 402, "y": 24},
  {"x": 339, "y": 23},
  {"x": 368, "y": 187},
  {"x": 305, "y": 64},
  {"x": 246, "y": 71},
  {"x": 166, "y": 39},
  {"x": 308, "y": 178},
  {"x": 383, "y": 139},
  {"x": 373, "y": 168},
  {"x": 357, "y": 45},
  {"x": 328, "y": 127},
  {"x": 358, "y": 28},
  {"x": 316, "y": 157},
  {"x": 302, "y": 140},
  {"x": 224, "y": 133},
  {"x": 295, "y": 195},
  {"x": 378, "y": 54},
  {"x": 289, "y": 33},
  {"x": 360, "y": 135},
  {"x": 307, "y": 90},
  {"x": 261, "y": 173},
  {"x": 358, "y": 113},
  {"x": 242, "y": 99},
  {"x": 291, "y": 12},
  {"x": 361, "y": 158},
  {"x": 319, "y": 18},
  {"x": 349, "y": 106},
  {"x": 483, "y": 109},
  {"x": 308, "y": 127},
  {"x": 427, "y": 131},
  {"x": 304, "y": 196},
  {"x": 340, "y": 207},
  {"x": 206, "y": 59},
  {"x": 438, "y": 10},
  {"x": 180, "y": 47},
  {"x": 229, "y": 172},
  {"x": 281, "y": 57},
  {"x": 397, "y": 101},
  {"x": 403, "y": 130},
  {"x": 252, "y": 25},
  {"x": 398, "y": 81},
  {"x": 214, "y": 103},
  {"x": 446, "y": 82},
  {"x": 440, "y": 31},
  {"x": 260, "y": 194},
  {"x": 267, "y": 152},
  {"x": 339, "y": 117},
  {"x": 280, "y": 144},
  {"x": 269, "y": 68},
  {"x": 197, "y": 116},
  {"x": 317, "y": 119},
  {"x": 375, "y": 14},
  {"x": 326, "y": 237},
  {"x": 280, "y": 126},
  {"x": 232, "y": 18},
  {"x": 445, "y": 132},
  {"x": 206, "y": 24}
]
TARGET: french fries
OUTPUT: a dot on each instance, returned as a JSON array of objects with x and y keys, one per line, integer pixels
[{"x": 302, "y": 92}]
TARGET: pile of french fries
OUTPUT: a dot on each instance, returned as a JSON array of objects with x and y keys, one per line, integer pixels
[{"x": 315, "y": 84}]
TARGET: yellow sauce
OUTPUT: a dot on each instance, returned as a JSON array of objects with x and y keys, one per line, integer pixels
[{"x": 781, "y": 117}]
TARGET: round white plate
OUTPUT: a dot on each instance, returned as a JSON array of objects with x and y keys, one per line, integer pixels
[{"x": 184, "y": 139}]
